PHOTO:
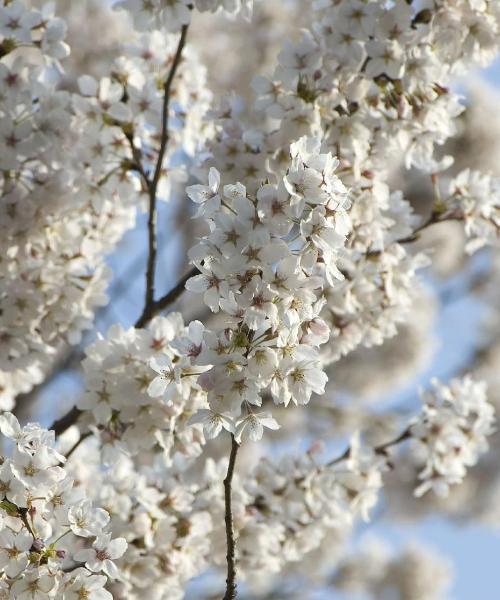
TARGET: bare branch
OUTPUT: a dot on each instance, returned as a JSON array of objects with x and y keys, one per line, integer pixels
[
  {"x": 153, "y": 183},
  {"x": 83, "y": 437},
  {"x": 151, "y": 308},
  {"x": 155, "y": 307},
  {"x": 65, "y": 422},
  {"x": 381, "y": 449},
  {"x": 231, "y": 592}
]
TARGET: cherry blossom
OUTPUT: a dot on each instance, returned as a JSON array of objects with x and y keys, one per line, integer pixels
[{"x": 204, "y": 439}]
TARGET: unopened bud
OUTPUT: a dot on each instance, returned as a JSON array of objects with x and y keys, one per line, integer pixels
[{"x": 37, "y": 545}]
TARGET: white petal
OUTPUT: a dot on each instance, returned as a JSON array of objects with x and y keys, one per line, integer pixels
[
  {"x": 117, "y": 547},
  {"x": 9, "y": 425},
  {"x": 88, "y": 85},
  {"x": 120, "y": 112},
  {"x": 197, "y": 284},
  {"x": 213, "y": 179},
  {"x": 157, "y": 387}
]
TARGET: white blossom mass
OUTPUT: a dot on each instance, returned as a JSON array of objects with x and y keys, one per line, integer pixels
[{"x": 325, "y": 174}]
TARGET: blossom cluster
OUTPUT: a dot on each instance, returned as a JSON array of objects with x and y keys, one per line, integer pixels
[
  {"x": 474, "y": 197},
  {"x": 70, "y": 183},
  {"x": 262, "y": 263},
  {"x": 451, "y": 433},
  {"x": 175, "y": 14},
  {"x": 53, "y": 541},
  {"x": 160, "y": 513},
  {"x": 52, "y": 243},
  {"x": 371, "y": 81},
  {"x": 169, "y": 518},
  {"x": 304, "y": 259},
  {"x": 133, "y": 409},
  {"x": 297, "y": 504}
]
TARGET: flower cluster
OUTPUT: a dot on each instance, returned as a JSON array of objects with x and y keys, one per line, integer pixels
[
  {"x": 52, "y": 239},
  {"x": 131, "y": 407},
  {"x": 296, "y": 504},
  {"x": 175, "y": 14},
  {"x": 53, "y": 541},
  {"x": 263, "y": 263},
  {"x": 415, "y": 573},
  {"x": 375, "y": 296},
  {"x": 21, "y": 26},
  {"x": 70, "y": 187},
  {"x": 474, "y": 198},
  {"x": 365, "y": 81},
  {"x": 451, "y": 433},
  {"x": 304, "y": 259},
  {"x": 166, "y": 525}
]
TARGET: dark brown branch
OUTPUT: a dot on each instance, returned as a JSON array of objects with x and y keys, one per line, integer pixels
[
  {"x": 381, "y": 449},
  {"x": 151, "y": 307},
  {"x": 166, "y": 102},
  {"x": 152, "y": 251},
  {"x": 157, "y": 306},
  {"x": 83, "y": 437},
  {"x": 65, "y": 422},
  {"x": 153, "y": 183},
  {"x": 231, "y": 592}
]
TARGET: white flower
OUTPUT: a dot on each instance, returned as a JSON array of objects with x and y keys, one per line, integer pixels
[
  {"x": 207, "y": 197},
  {"x": 100, "y": 557},
  {"x": 253, "y": 426},
  {"x": 168, "y": 374},
  {"x": 191, "y": 345},
  {"x": 211, "y": 282},
  {"x": 35, "y": 471},
  {"x": 304, "y": 378},
  {"x": 33, "y": 586},
  {"x": 10, "y": 428},
  {"x": 88, "y": 586},
  {"x": 87, "y": 521},
  {"x": 262, "y": 362},
  {"x": 213, "y": 422},
  {"x": 14, "y": 549},
  {"x": 386, "y": 58}
]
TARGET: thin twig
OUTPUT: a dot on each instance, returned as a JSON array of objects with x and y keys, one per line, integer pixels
[
  {"x": 61, "y": 425},
  {"x": 231, "y": 592},
  {"x": 159, "y": 305},
  {"x": 151, "y": 308},
  {"x": 381, "y": 449},
  {"x": 83, "y": 437},
  {"x": 136, "y": 155},
  {"x": 153, "y": 183}
]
